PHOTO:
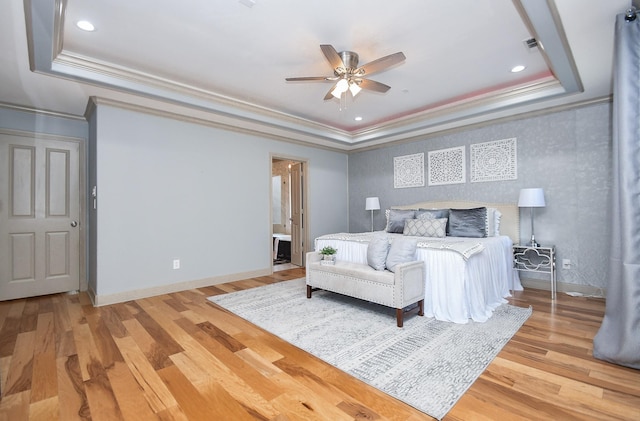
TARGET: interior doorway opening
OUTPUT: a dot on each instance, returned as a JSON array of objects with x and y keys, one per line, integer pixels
[{"x": 288, "y": 219}]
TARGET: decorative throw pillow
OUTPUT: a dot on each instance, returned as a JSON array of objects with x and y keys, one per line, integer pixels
[
  {"x": 426, "y": 227},
  {"x": 468, "y": 222},
  {"x": 396, "y": 219},
  {"x": 377, "y": 251},
  {"x": 493, "y": 222},
  {"x": 402, "y": 250},
  {"x": 433, "y": 214}
]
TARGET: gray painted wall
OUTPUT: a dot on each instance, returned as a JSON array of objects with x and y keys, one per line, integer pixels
[
  {"x": 170, "y": 189},
  {"x": 567, "y": 153}
]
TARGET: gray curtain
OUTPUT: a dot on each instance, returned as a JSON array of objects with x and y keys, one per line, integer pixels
[{"x": 618, "y": 340}]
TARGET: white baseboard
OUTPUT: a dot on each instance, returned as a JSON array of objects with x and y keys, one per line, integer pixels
[
  {"x": 563, "y": 287},
  {"x": 99, "y": 300}
]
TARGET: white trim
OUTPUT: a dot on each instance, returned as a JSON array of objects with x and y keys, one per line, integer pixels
[
  {"x": 120, "y": 297},
  {"x": 545, "y": 285}
]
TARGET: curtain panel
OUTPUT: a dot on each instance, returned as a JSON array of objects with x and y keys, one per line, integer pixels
[{"x": 618, "y": 340}]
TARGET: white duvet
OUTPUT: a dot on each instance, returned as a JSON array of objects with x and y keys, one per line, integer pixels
[{"x": 459, "y": 286}]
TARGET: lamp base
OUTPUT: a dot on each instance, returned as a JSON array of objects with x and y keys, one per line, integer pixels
[{"x": 533, "y": 242}]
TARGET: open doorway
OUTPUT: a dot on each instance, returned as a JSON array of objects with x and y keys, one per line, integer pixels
[{"x": 288, "y": 220}]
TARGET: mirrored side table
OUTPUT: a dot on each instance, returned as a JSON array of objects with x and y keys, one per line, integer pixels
[{"x": 540, "y": 259}]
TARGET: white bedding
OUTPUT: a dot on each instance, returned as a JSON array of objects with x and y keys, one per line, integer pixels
[{"x": 459, "y": 286}]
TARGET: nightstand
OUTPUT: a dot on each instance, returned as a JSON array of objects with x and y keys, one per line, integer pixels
[{"x": 540, "y": 259}]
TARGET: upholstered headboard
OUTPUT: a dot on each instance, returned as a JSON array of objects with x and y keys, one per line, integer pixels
[{"x": 509, "y": 221}]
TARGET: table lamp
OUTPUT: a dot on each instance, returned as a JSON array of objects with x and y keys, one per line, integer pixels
[
  {"x": 372, "y": 204},
  {"x": 532, "y": 198}
]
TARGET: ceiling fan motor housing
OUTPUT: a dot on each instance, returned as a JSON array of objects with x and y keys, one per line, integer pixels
[{"x": 350, "y": 60}]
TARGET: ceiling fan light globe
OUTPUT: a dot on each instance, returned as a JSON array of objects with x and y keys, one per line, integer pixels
[
  {"x": 354, "y": 88},
  {"x": 341, "y": 87}
]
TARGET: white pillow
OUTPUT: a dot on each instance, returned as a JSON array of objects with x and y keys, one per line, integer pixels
[
  {"x": 493, "y": 222},
  {"x": 377, "y": 251},
  {"x": 402, "y": 250}
]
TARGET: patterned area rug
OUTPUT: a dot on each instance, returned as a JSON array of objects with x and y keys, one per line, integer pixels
[{"x": 428, "y": 364}]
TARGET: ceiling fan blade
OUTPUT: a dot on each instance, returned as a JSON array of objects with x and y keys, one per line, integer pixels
[
  {"x": 307, "y": 78},
  {"x": 380, "y": 64},
  {"x": 329, "y": 95},
  {"x": 332, "y": 55},
  {"x": 372, "y": 85}
]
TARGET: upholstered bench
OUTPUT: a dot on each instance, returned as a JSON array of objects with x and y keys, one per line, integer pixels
[{"x": 397, "y": 290}]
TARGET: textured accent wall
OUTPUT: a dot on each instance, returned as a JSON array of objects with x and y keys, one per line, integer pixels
[{"x": 567, "y": 153}]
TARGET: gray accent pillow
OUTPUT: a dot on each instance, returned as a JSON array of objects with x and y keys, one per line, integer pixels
[
  {"x": 377, "y": 251},
  {"x": 396, "y": 219},
  {"x": 402, "y": 250},
  {"x": 433, "y": 214},
  {"x": 468, "y": 222},
  {"x": 426, "y": 227}
]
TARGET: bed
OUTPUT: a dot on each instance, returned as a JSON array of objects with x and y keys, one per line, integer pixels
[{"x": 466, "y": 277}]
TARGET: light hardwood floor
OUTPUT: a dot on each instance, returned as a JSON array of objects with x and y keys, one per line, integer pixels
[{"x": 178, "y": 357}]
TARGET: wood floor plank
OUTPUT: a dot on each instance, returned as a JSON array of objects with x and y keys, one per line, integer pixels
[
  {"x": 156, "y": 354},
  {"x": 45, "y": 409},
  {"x": 179, "y": 357},
  {"x": 228, "y": 368},
  {"x": 155, "y": 390},
  {"x": 29, "y": 319},
  {"x": 44, "y": 381},
  {"x": 161, "y": 337},
  {"x": 11, "y": 327},
  {"x": 129, "y": 394},
  {"x": 217, "y": 404},
  {"x": 15, "y": 406},
  {"x": 72, "y": 397},
  {"x": 21, "y": 368},
  {"x": 206, "y": 382}
]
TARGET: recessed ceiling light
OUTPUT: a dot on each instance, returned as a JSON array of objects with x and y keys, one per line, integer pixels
[
  {"x": 358, "y": 118},
  {"x": 85, "y": 25},
  {"x": 517, "y": 69}
]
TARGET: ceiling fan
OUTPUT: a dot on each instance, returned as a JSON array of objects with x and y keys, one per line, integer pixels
[{"x": 348, "y": 76}]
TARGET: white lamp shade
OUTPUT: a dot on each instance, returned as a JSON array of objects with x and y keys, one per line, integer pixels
[
  {"x": 372, "y": 203},
  {"x": 341, "y": 87},
  {"x": 354, "y": 88},
  {"x": 531, "y": 198}
]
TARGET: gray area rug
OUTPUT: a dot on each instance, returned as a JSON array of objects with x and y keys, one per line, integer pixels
[{"x": 428, "y": 364}]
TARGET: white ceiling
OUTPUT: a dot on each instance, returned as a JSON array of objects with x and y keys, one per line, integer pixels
[{"x": 224, "y": 62}]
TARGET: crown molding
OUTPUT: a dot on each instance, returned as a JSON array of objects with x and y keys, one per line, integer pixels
[
  {"x": 26, "y": 109},
  {"x": 150, "y": 93}
]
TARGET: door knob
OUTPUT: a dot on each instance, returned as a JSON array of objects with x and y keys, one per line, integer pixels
[{"x": 74, "y": 224}]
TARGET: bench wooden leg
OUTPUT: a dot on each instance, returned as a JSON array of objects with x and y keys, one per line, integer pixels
[
  {"x": 421, "y": 306},
  {"x": 399, "y": 314},
  {"x": 308, "y": 291}
]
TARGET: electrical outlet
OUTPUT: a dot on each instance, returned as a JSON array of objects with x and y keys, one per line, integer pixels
[
  {"x": 566, "y": 264},
  {"x": 176, "y": 263}
]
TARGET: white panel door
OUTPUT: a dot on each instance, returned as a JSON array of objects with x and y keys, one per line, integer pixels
[
  {"x": 297, "y": 214},
  {"x": 39, "y": 214}
]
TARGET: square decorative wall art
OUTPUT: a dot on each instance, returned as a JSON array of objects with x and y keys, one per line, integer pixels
[
  {"x": 494, "y": 161},
  {"x": 408, "y": 171},
  {"x": 447, "y": 166}
]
